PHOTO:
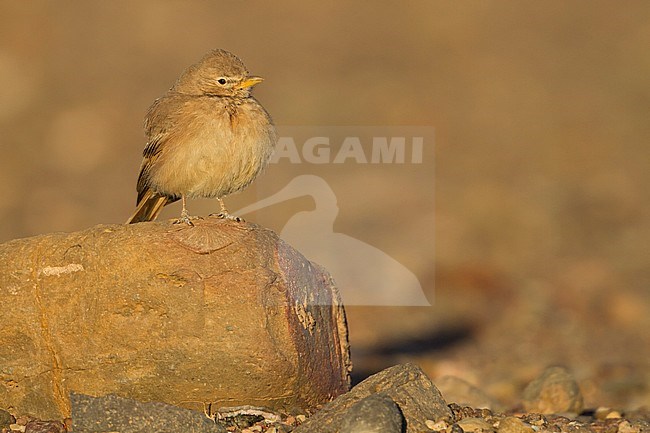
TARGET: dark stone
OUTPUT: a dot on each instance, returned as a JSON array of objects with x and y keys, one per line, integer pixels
[
  {"x": 375, "y": 414},
  {"x": 241, "y": 421},
  {"x": 6, "y": 419},
  {"x": 113, "y": 413},
  {"x": 45, "y": 427},
  {"x": 406, "y": 384}
]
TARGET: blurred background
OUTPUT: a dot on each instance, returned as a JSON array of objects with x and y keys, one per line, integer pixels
[{"x": 527, "y": 224}]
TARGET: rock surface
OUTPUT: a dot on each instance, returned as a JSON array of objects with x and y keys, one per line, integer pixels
[
  {"x": 475, "y": 425},
  {"x": 6, "y": 419},
  {"x": 377, "y": 413},
  {"x": 116, "y": 414},
  {"x": 351, "y": 413},
  {"x": 45, "y": 427},
  {"x": 222, "y": 312},
  {"x": 514, "y": 425},
  {"x": 554, "y": 391},
  {"x": 416, "y": 396},
  {"x": 534, "y": 422}
]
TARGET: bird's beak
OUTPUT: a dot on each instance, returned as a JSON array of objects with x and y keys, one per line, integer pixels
[{"x": 249, "y": 82}]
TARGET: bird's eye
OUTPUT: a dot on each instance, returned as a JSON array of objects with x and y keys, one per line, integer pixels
[{"x": 221, "y": 81}]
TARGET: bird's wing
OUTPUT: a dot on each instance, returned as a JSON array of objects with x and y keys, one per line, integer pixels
[
  {"x": 151, "y": 153},
  {"x": 160, "y": 121}
]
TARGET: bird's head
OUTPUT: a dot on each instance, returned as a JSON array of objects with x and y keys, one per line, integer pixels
[{"x": 218, "y": 73}]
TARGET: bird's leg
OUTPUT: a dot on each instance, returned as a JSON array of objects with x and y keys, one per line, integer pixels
[
  {"x": 222, "y": 205},
  {"x": 223, "y": 214},
  {"x": 185, "y": 215}
]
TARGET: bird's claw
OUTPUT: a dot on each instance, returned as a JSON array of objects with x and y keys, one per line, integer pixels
[
  {"x": 227, "y": 216},
  {"x": 187, "y": 219},
  {"x": 184, "y": 220}
]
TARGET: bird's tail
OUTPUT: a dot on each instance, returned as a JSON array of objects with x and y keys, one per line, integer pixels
[{"x": 148, "y": 207}]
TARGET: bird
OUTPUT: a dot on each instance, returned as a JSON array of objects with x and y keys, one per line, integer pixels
[{"x": 207, "y": 137}]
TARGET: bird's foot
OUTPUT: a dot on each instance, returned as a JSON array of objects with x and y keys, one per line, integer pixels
[
  {"x": 187, "y": 219},
  {"x": 184, "y": 220},
  {"x": 224, "y": 215}
]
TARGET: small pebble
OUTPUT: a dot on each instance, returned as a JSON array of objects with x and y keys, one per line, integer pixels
[
  {"x": 535, "y": 419},
  {"x": 475, "y": 425},
  {"x": 45, "y": 427},
  {"x": 554, "y": 391},
  {"x": 6, "y": 419},
  {"x": 23, "y": 420},
  {"x": 626, "y": 427},
  {"x": 283, "y": 428},
  {"x": 514, "y": 425},
  {"x": 455, "y": 428},
  {"x": 301, "y": 418},
  {"x": 602, "y": 412},
  {"x": 436, "y": 426}
]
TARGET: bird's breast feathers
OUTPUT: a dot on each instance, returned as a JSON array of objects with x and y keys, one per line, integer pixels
[{"x": 213, "y": 152}]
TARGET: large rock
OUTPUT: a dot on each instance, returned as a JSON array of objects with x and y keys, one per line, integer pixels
[{"x": 222, "y": 312}]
